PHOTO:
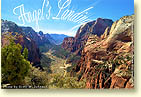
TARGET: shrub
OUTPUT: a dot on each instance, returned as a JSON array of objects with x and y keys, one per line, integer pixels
[
  {"x": 36, "y": 78},
  {"x": 67, "y": 82}
]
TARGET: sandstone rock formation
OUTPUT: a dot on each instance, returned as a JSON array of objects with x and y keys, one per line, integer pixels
[
  {"x": 107, "y": 61},
  {"x": 95, "y": 27}
]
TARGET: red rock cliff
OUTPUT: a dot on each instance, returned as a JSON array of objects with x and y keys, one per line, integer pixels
[{"x": 107, "y": 61}]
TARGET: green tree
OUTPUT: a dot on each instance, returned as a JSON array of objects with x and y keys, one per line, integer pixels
[
  {"x": 25, "y": 53},
  {"x": 14, "y": 64}
]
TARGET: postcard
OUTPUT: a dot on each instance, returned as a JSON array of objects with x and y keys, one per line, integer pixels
[{"x": 67, "y": 44}]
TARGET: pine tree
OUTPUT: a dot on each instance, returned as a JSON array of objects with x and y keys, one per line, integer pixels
[{"x": 14, "y": 64}]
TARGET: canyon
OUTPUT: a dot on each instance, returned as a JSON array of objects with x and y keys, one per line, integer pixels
[{"x": 101, "y": 52}]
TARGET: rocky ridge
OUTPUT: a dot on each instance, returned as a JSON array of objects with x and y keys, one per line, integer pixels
[{"x": 77, "y": 43}]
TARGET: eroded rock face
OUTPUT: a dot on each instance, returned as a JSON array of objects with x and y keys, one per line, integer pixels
[
  {"x": 106, "y": 33},
  {"x": 106, "y": 61},
  {"x": 95, "y": 27},
  {"x": 68, "y": 43}
]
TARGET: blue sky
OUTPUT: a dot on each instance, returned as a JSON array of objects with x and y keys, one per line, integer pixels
[{"x": 47, "y": 9}]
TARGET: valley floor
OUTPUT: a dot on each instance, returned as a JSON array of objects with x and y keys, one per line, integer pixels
[{"x": 56, "y": 63}]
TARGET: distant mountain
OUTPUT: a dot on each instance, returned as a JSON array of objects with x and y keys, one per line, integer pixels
[
  {"x": 40, "y": 38},
  {"x": 58, "y": 38},
  {"x": 43, "y": 39},
  {"x": 48, "y": 36}
]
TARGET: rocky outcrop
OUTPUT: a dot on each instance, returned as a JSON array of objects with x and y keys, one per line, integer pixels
[
  {"x": 107, "y": 61},
  {"x": 8, "y": 26},
  {"x": 106, "y": 33},
  {"x": 67, "y": 43},
  {"x": 95, "y": 27}
]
